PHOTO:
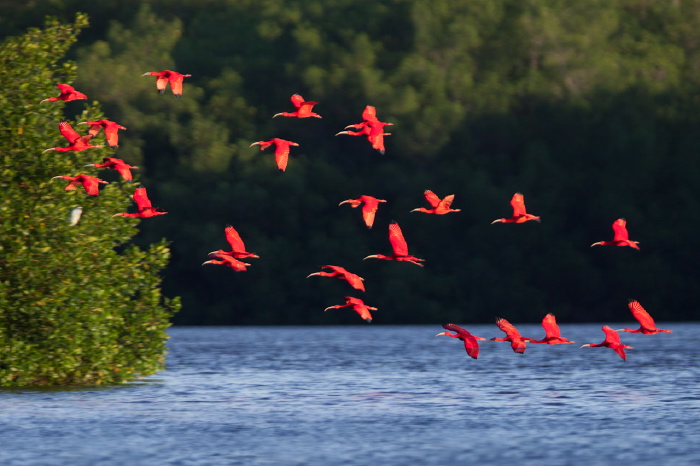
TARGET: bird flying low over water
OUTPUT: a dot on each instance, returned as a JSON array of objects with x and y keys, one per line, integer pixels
[
  {"x": 339, "y": 272},
  {"x": 517, "y": 342},
  {"x": 646, "y": 323},
  {"x": 110, "y": 128},
  {"x": 369, "y": 207},
  {"x": 143, "y": 203},
  {"x": 520, "y": 214},
  {"x": 122, "y": 167},
  {"x": 163, "y": 78},
  {"x": 303, "y": 108},
  {"x": 357, "y": 305},
  {"x": 398, "y": 244},
  {"x": 228, "y": 261},
  {"x": 237, "y": 246},
  {"x": 620, "y": 237},
  {"x": 90, "y": 183},
  {"x": 281, "y": 150},
  {"x": 612, "y": 340},
  {"x": 470, "y": 344},
  {"x": 552, "y": 333},
  {"x": 438, "y": 206},
  {"x": 76, "y": 141},
  {"x": 67, "y": 93}
]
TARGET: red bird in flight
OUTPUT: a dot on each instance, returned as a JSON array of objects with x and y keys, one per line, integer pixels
[
  {"x": 520, "y": 214},
  {"x": 469, "y": 340},
  {"x": 620, "y": 237},
  {"x": 163, "y": 78},
  {"x": 122, "y": 167},
  {"x": 552, "y": 334},
  {"x": 281, "y": 150},
  {"x": 646, "y": 323},
  {"x": 67, "y": 93},
  {"x": 90, "y": 183},
  {"x": 111, "y": 128},
  {"x": 339, "y": 272},
  {"x": 517, "y": 342},
  {"x": 237, "y": 246},
  {"x": 76, "y": 141},
  {"x": 228, "y": 261},
  {"x": 438, "y": 206},
  {"x": 303, "y": 108},
  {"x": 398, "y": 244},
  {"x": 369, "y": 207},
  {"x": 370, "y": 127},
  {"x": 357, "y": 305},
  {"x": 144, "y": 205},
  {"x": 612, "y": 340}
]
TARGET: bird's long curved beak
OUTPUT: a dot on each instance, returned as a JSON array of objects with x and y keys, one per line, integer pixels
[
  {"x": 329, "y": 307},
  {"x": 370, "y": 257},
  {"x": 255, "y": 144},
  {"x": 276, "y": 115},
  {"x": 342, "y": 132},
  {"x": 344, "y": 202},
  {"x": 117, "y": 215},
  {"x": 146, "y": 74},
  {"x": 207, "y": 262},
  {"x": 587, "y": 344},
  {"x": 47, "y": 150},
  {"x": 311, "y": 275},
  {"x": 596, "y": 244},
  {"x": 496, "y": 221},
  {"x": 441, "y": 333}
]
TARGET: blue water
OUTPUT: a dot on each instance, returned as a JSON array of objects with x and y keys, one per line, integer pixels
[{"x": 375, "y": 395}]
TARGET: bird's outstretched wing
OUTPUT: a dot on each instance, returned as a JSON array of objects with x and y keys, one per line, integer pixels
[
  {"x": 234, "y": 239},
  {"x": 398, "y": 243},
  {"x": 551, "y": 329},
  {"x": 642, "y": 316},
  {"x": 141, "y": 199},
  {"x": 507, "y": 327},
  {"x": 297, "y": 100},
  {"x": 68, "y": 132},
  {"x": 611, "y": 336},
  {"x": 620, "y": 230},
  {"x": 518, "y": 204},
  {"x": 432, "y": 198}
]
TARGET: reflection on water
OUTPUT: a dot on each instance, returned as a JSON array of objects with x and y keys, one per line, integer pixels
[{"x": 375, "y": 395}]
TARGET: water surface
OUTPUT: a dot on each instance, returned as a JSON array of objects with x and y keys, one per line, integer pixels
[{"x": 372, "y": 394}]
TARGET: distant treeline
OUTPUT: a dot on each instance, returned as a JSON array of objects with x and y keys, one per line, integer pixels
[{"x": 590, "y": 109}]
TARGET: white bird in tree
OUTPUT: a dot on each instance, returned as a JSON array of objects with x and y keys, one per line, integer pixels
[{"x": 75, "y": 216}]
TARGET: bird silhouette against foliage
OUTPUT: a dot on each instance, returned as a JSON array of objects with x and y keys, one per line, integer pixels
[
  {"x": 369, "y": 207},
  {"x": 68, "y": 93},
  {"x": 163, "y": 78},
  {"x": 339, "y": 272},
  {"x": 470, "y": 341},
  {"x": 646, "y": 323},
  {"x": 228, "y": 261},
  {"x": 281, "y": 150},
  {"x": 303, "y": 108},
  {"x": 119, "y": 165},
  {"x": 111, "y": 130},
  {"x": 612, "y": 340},
  {"x": 620, "y": 236},
  {"x": 90, "y": 183},
  {"x": 520, "y": 214},
  {"x": 76, "y": 142},
  {"x": 357, "y": 305},
  {"x": 143, "y": 203},
  {"x": 398, "y": 244},
  {"x": 437, "y": 206}
]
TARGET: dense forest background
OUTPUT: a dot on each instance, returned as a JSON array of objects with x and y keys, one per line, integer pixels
[{"x": 590, "y": 109}]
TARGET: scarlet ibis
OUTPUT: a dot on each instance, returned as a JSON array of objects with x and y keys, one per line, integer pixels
[
  {"x": 90, "y": 183},
  {"x": 174, "y": 78},
  {"x": 357, "y": 305},
  {"x": 75, "y": 215},
  {"x": 237, "y": 246},
  {"x": 111, "y": 128},
  {"x": 76, "y": 141},
  {"x": 517, "y": 342},
  {"x": 370, "y": 127},
  {"x": 438, "y": 206},
  {"x": 303, "y": 108},
  {"x": 612, "y": 340},
  {"x": 122, "y": 167},
  {"x": 469, "y": 340},
  {"x": 398, "y": 244},
  {"x": 620, "y": 237},
  {"x": 552, "y": 334},
  {"x": 143, "y": 203},
  {"x": 228, "y": 261},
  {"x": 646, "y": 323},
  {"x": 281, "y": 150},
  {"x": 520, "y": 214},
  {"x": 67, "y": 93},
  {"x": 339, "y": 272},
  {"x": 369, "y": 207}
]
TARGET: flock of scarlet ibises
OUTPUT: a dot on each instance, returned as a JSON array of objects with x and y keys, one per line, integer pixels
[{"x": 373, "y": 129}]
